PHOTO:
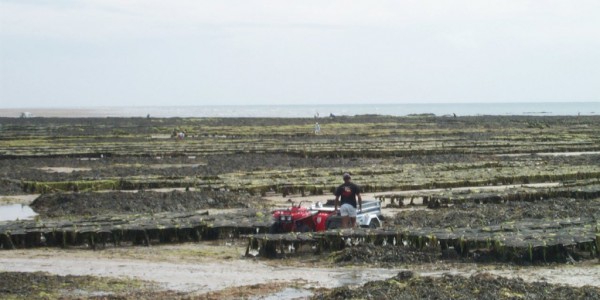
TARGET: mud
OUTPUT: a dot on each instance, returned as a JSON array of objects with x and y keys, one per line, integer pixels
[
  {"x": 479, "y": 215},
  {"x": 217, "y": 271},
  {"x": 10, "y": 186},
  {"x": 110, "y": 203},
  {"x": 257, "y": 155},
  {"x": 192, "y": 269},
  {"x": 407, "y": 285},
  {"x": 11, "y": 170},
  {"x": 42, "y": 285},
  {"x": 163, "y": 166}
]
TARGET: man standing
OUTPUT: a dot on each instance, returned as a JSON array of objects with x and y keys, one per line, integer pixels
[{"x": 348, "y": 192}]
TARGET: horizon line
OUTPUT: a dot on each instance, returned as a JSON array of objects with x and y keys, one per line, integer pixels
[{"x": 299, "y": 105}]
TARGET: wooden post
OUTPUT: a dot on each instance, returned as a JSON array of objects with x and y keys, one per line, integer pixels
[
  {"x": 248, "y": 247},
  {"x": 9, "y": 240},
  {"x": 146, "y": 238},
  {"x": 92, "y": 240}
]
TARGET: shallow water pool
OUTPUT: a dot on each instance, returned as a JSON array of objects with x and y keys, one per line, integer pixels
[{"x": 14, "y": 212}]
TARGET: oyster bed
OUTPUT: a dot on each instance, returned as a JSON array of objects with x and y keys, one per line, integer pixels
[{"x": 99, "y": 178}]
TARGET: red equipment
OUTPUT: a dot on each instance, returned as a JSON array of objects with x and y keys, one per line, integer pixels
[
  {"x": 300, "y": 219},
  {"x": 320, "y": 217}
]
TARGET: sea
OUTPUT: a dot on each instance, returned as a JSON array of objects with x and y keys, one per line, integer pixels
[{"x": 310, "y": 111}]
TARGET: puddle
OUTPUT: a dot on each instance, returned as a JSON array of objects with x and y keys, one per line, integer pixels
[
  {"x": 63, "y": 169},
  {"x": 14, "y": 212},
  {"x": 550, "y": 154},
  {"x": 289, "y": 293},
  {"x": 193, "y": 277},
  {"x": 355, "y": 277}
]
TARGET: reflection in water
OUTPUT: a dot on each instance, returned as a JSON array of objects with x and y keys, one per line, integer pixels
[
  {"x": 15, "y": 212},
  {"x": 289, "y": 293}
]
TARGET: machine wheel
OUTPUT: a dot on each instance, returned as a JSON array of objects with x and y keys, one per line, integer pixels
[
  {"x": 275, "y": 228},
  {"x": 374, "y": 224},
  {"x": 333, "y": 223},
  {"x": 302, "y": 228}
]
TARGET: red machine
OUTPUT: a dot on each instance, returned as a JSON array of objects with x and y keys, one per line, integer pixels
[
  {"x": 319, "y": 217},
  {"x": 298, "y": 218}
]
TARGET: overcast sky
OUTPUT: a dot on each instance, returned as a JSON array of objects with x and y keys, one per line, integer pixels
[{"x": 62, "y": 53}]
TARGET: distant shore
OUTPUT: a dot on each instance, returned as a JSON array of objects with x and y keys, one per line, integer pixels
[
  {"x": 49, "y": 113},
  {"x": 313, "y": 111}
]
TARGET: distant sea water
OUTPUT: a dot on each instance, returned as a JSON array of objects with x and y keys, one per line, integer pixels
[{"x": 309, "y": 111}]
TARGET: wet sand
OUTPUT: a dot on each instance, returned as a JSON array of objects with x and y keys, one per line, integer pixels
[{"x": 206, "y": 274}]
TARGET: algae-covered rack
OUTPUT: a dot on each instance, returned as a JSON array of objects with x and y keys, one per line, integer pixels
[
  {"x": 528, "y": 240},
  {"x": 544, "y": 240},
  {"x": 435, "y": 199},
  {"x": 96, "y": 232}
]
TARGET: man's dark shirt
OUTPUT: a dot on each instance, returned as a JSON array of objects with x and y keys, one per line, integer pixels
[{"x": 347, "y": 193}]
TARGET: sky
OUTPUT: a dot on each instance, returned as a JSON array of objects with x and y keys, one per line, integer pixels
[{"x": 88, "y": 53}]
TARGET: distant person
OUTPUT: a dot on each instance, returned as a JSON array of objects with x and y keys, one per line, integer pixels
[
  {"x": 348, "y": 192},
  {"x": 317, "y": 128}
]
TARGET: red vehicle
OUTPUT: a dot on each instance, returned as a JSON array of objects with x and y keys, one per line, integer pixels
[{"x": 319, "y": 217}]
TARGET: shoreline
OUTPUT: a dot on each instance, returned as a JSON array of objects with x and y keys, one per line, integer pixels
[{"x": 312, "y": 111}]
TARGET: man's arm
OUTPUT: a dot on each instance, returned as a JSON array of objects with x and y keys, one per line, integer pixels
[
  {"x": 359, "y": 201},
  {"x": 335, "y": 203}
]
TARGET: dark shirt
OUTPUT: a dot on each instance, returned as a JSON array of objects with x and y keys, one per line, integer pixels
[{"x": 347, "y": 193}]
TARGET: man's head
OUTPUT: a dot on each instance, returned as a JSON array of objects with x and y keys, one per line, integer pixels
[{"x": 346, "y": 177}]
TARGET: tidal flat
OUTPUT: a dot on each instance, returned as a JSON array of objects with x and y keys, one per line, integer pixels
[{"x": 475, "y": 207}]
